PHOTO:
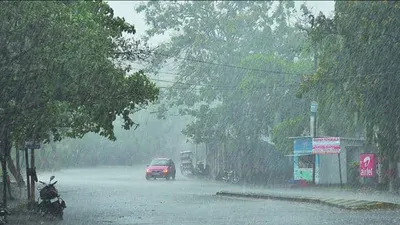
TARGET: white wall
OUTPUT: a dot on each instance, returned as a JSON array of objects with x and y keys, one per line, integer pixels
[{"x": 329, "y": 168}]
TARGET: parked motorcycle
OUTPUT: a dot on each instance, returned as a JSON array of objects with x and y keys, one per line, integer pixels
[
  {"x": 50, "y": 203},
  {"x": 201, "y": 169},
  {"x": 3, "y": 215},
  {"x": 230, "y": 177}
]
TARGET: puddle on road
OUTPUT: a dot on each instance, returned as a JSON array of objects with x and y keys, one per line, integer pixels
[{"x": 132, "y": 220}]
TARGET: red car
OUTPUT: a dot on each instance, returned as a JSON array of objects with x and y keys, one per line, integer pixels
[{"x": 161, "y": 168}]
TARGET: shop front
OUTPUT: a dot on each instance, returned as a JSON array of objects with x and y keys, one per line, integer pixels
[
  {"x": 303, "y": 160},
  {"x": 333, "y": 156}
]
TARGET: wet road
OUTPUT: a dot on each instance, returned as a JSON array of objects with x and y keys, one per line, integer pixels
[{"x": 121, "y": 195}]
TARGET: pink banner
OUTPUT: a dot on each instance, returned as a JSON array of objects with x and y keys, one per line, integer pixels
[
  {"x": 326, "y": 145},
  {"x": 367, "y": 165}
]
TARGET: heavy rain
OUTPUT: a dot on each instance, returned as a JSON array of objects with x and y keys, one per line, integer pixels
[{"x": 199, "y": 112}]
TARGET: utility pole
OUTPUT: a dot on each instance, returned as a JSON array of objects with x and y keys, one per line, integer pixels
[
  {"x": 314, "y": 106},
  {"x": 30, "y": 169},
  {"x": 33, "y": 174},
  {"x": 28, "y": 185},
  {"x": 313, "y": 132},
  {"x": 206, "y": 154}
]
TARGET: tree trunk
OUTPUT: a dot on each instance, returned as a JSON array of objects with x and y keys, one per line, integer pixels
[
  {"x": 6, "y": 144},
  {"x": 392, "y": 175},
  {"x": 5, "y": 180},
  {"x": 17, "y": 175},
  {"x": 17, "y": 158}
]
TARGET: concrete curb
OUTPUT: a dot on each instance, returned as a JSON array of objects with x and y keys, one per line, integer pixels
[{"x": 349, "y": 204}]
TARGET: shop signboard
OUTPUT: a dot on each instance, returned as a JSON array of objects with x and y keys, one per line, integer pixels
[
  {"x": 326, "y": 145},
  {"x": 367, "y": 165}
]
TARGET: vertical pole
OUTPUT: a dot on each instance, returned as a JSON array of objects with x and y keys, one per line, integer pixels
[
  {"x": 5, "y": 152},
  {"x": 17, "y": 161},
  {"x": 195, "y": 154},
  {"x": 313, "y": 134},
  {"x": 223, "y": 157},
  {"x": 27, "y": 174},
  {"x": 313, "y": 169},
  {"x": 314, "y": 111},
  {"x": 32, "y": 180},
  {"x": 5, "y": 180},
  {"x": 340, "y": 171},
  {"x": 206, "y": 155}
]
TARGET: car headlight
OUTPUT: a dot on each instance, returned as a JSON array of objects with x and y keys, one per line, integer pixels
[
  {"x": 148, "y": 170},
  {"x": 165, "y": 171}
]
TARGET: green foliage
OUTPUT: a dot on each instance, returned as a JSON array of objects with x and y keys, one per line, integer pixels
[
  {"x": 64, "y": 72},
  {"x": 358, "y": 62},
  {"x": 288, "y": 128},
  {"x": 228, "y": 98},
  {"x": 242, "y": 65}
]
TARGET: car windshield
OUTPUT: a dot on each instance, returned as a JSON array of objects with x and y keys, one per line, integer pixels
[{"x": 159, "y": 162}]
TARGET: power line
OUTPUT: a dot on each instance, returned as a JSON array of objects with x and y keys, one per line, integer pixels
[
  {"x": 322, "y": 78},
  {"x": 191, "y": 84},
  {"x": 262, "y": 70},
  {"x": 229, "y": 87},
  {"x": 217, "y": 87},
  {"x": 225, "y": 87},
  {"x": 296, "y": 83},
  {"x": 226, "y": 65}
]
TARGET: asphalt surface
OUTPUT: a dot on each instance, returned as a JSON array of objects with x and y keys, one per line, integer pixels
[{"x": 122, "y": 195}]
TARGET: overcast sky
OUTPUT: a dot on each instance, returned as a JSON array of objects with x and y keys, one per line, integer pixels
[{"x": 127, "y": 10}]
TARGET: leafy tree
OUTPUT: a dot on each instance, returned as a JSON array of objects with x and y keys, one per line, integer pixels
[
  {"x": 288, "y": 128},
  {"x": 64, "y": 72},
  {"x": 236, "y": 61},
  {"x": 357, "y": 66},
  {"x": 77, "y": 76}
]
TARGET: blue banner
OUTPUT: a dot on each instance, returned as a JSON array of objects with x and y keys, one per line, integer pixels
[{"x": 303, "y": 145}]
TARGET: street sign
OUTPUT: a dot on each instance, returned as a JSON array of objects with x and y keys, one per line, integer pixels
[
  {"x": 32, "y": 144},
  {"x": 314, "y": 106},
  {"x": 326, "y": 145}
]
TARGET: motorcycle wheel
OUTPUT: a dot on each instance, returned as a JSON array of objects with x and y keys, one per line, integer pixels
[
  {"x": 235, "y": 180},
  {"x": 36, "y": 207},
  {"x": 57, "y": 210},
  {"x": 41, "y": 209},
  {"x": 60, "y": 215},
  {"x": 3, "y": 218}
]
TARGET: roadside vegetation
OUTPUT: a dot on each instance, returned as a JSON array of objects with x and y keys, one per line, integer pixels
[
  {"x": 247, "y": 72},
  {"x": 64, "y": 73},
  {"x": 244, "y": 76}
]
